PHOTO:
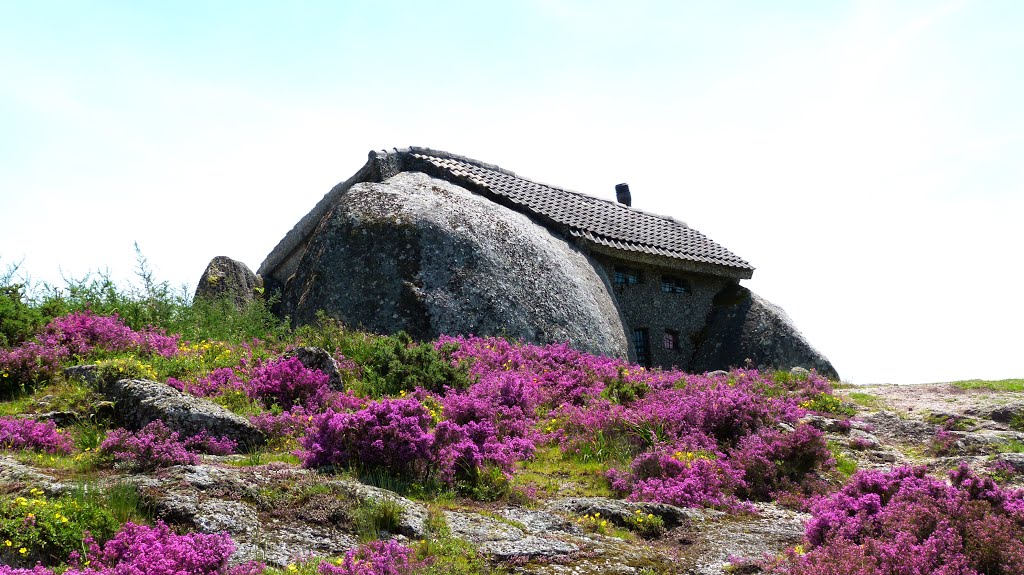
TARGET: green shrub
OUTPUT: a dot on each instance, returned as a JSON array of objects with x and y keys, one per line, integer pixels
[
  {"x": 827, "y": 403},
  {"x": 40, "y": 529},
  {"x": 645, "y": 524},
  {"x": 376, "y": 517},
  {"x": 620, "y": 390},
  {"x": 395, "y": 364}
]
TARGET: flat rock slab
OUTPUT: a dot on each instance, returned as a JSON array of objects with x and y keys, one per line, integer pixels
[{"x": 16, "y": 477}]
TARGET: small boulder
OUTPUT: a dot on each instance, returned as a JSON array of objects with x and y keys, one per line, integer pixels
[
  {"x": 139, "y": 402},
  {"x": 318, "y": 358},
  {"x": 226, "y": 278}
]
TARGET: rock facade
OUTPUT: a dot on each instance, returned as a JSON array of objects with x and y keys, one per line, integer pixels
[
  {"x": 745, "y": 328},
  {"x": 419, "y": 254},
  {"x": 231, "y": 279},
  {"x": 432, "y": 243}
]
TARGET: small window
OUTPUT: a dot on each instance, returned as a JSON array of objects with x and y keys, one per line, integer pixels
[
  {"x": 626, "y": 276},
  {"x": 643, "y": 347},
  {"x": 671, "y": 339},
  {"x": 671, "y": 284}
]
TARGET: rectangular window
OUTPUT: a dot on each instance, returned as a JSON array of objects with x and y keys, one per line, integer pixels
[
  {"x": 643, "y": 347},
  {"x": 626, "y": 276},
  {"x": 671, "y": 339},
  {"x": 671, "y": 284}
]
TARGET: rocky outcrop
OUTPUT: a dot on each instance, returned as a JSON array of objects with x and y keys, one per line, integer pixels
[
  {"x": 420, "y": 254},
  {"x": 744, "y": 327},
  {"x": 139, "y": 402},
  {"x": 226, "y": 278}
]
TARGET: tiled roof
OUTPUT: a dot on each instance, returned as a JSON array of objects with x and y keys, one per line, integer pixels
[{"x": 602, "y": 222}]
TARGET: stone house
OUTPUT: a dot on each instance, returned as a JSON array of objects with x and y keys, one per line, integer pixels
[{"x": 665, "y": 278}]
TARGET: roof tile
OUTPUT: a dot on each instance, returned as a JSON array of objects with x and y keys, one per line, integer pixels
[{"x": 600, "y": 221}]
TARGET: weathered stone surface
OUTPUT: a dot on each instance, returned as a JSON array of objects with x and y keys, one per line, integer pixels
[
  {"x": 504, "y": 541},
  {"x": 228, "y": 278},
  {"x": 212, "y": 499},
  {"x": 15, "y": 477},
  {"x": 413, "y": 521},
  {"x": 711, "y": 539},
  {"x": 744, "y": 326},
  {"x": 139, "y": 402},
  {"x": 89, "y": 374},
  {"x": 419, "y": 254},
  {"x": 318, "y": 358}
]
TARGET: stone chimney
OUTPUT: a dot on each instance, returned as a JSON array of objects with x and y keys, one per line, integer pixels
[{"x": 622, "y": 194}]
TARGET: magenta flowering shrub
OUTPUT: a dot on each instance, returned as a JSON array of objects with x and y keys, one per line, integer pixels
[
  {"x": 688, "y": 473},
  {"x": 30, "y": 434},
  {"x": 392, "y": 434},
  {"x": 82, "y": 333},
  {"x": 607, "y": 410},
  {"x": 214, "y": 383},
  {"x": 773, "y": 461},
  {"x": 144, "y": 550},
  {"x": 28, "y": 363},
  {"x": 906, "y": 521},
  {"x": 374, "y": 558},
  {"x": 286, "y": 382},
  {"x": 156, "y": 445},
  {"x": 76, "y": 335}
]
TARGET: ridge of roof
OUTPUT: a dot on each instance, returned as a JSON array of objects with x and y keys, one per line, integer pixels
[{"x": 496, "y": 168}]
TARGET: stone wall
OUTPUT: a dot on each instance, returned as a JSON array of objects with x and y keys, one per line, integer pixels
[{"x": 645, "y": 305}]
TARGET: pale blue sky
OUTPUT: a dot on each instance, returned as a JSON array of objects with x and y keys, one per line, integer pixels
[{"x": 864, "y": 156}]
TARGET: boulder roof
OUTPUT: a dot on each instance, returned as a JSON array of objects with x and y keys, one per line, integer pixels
[{"x": 603, "y": 225}]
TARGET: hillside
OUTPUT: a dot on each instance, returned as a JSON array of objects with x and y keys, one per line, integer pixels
[{"x": 197, "y": 438}]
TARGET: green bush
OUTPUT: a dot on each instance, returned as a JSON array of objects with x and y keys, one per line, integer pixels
[
  {"x": 395, "y": 364},
  {"x": 620, "y": 390},
  {"x": 40, "y": 529}
]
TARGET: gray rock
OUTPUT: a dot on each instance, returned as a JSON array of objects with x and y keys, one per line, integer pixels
[
  {"x": 59, "y": 418},
  {"x": 826, "y": 424},
  {"x": 419, "y": 254},
  {"x": 800, "y": 371},
  {"x": 226, "y": 278},
  {"x": 318, "y": 358},
  {"x": 413, "y": 521},
  {"x": 892, "y": 427},
  {"x": 504, "y": 541},
  {"x": 743, "y": 326},
  {"x": 1006, "y": 413},
  {"x": 1016, "y": 460},
  {"x": 88, "y": 374},
  {"x": 139, "y": 402},
  {"x": 17, "y": 477},
  {"x": 860, "y": 439},
  {"x": 212, "y": 499}
]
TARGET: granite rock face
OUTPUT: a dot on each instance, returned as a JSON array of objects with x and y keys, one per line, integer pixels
[
  {"x": 419, "y": 254},
  {"x": 228, "y": 278},
  {"x": 139, "y": 402},
  {"x": 744, "y": 326}
]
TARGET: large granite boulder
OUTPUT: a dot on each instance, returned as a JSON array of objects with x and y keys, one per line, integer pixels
[
  {"x": 228, "y": 278},
  {"x": 420, "y": 254},
  {"x": 743, "y": 326},
  {"x": 138, "y": 402}
]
